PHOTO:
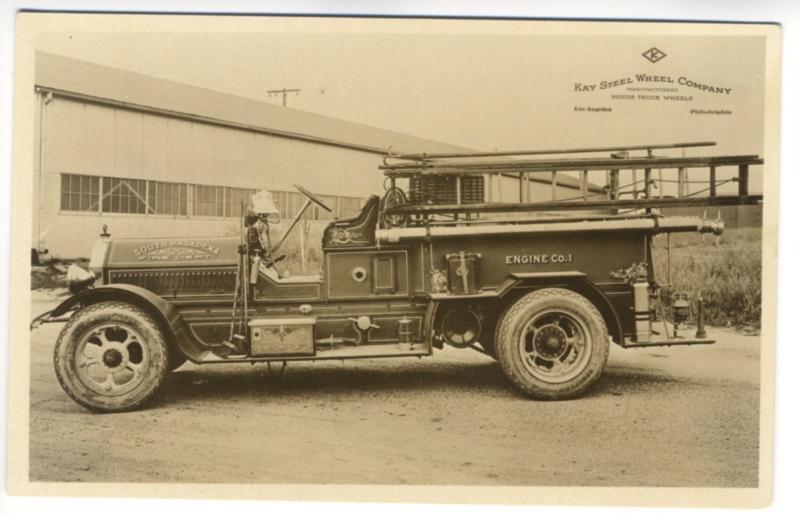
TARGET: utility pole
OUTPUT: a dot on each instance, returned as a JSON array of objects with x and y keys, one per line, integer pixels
[{"x": 283, "y": 92}]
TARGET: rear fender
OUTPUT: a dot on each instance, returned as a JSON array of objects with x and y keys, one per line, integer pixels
[
  {"x": 166, "y": 315},
  {"x": 519, "y": 284}
]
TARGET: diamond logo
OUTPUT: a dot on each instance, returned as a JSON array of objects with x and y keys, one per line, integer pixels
[{"x": 654, "y": 55}]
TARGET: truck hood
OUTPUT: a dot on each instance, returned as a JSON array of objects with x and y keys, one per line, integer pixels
[{"x": 171, "y": 252}]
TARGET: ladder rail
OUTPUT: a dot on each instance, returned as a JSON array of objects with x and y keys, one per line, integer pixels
[
  {"x": 524, "y": 171},
  {"x": 580, "y": 150}
]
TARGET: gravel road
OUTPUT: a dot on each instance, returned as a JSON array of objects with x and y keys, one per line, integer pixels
[{"x": 657, "y": 417}]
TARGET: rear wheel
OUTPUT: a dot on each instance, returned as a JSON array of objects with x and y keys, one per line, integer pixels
[
  {"x": 552, "y": 344},
  {"x": 111, "y": 356}
]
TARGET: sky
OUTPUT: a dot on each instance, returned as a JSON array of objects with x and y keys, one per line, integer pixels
[{"x": 475, "y": 84}]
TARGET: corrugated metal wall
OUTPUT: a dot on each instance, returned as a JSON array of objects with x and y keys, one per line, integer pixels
[{"x": 84, "y": 138}]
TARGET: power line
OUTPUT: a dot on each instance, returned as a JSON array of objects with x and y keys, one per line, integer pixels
[{"x": 283, "y": 92}]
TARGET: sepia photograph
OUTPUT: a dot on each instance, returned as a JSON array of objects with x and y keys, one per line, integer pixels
[{"x": 354, "y": 258}]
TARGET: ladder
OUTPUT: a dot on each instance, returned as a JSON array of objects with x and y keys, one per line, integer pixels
[{"x": 525, "y": 166}]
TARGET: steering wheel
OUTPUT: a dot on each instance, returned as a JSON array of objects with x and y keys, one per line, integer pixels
[{"x": 312, "y": 198}]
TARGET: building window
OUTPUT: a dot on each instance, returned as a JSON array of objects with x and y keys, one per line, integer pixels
[
  {"x": 208, "y": 200},
  {"x": 167, "y": 198},
  {"x": 234, "y": 197},
  {"x": 79, "y": 192},
  {"x": 279, "y": 197},
  {"x": 349, "y": 206},
  {"x": 322, "y": 214},
  {"x": 294, "y": 203},
  {"x": 124, "y": 195},
  {"x": 140, "y": 196}
]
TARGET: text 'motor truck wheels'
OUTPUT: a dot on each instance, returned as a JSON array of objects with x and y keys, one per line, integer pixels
[
  {"x": 552, "y": 344},
  {"x": 111, "y": 356}
]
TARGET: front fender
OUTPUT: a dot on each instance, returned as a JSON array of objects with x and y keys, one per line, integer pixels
[{"x": 170, "y": 320}]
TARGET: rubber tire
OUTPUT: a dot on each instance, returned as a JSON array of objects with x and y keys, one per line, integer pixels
[
  {"x": 84, "y": 320},
  {"x": 514, "y": 320}
]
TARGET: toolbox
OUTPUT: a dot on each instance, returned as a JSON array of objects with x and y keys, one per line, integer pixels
[
  {"x": 463, "y": 269},
  {"x": 282, "y": 336}
]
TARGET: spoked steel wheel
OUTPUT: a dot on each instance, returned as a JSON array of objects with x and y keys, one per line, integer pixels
[
  {"x": 552, "y": 343},
  {"x": 555, "y": 346},
  {"x": 111, "y": 356}
]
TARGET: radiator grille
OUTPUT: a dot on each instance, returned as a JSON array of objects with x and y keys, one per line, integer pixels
[
  {"x": 179, "y": 282},
  {"x": 441, "y": 189}
]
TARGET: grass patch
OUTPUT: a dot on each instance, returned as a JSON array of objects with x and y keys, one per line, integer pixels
[{"x": 725, "y": 272}]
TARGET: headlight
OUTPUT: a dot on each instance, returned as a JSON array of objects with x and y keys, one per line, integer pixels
[
  {"x": 98, "y": 259},
  {"x": 78, "y": 279}
]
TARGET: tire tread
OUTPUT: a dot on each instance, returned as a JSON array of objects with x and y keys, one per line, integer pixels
[{"x": 507, "y": 324}]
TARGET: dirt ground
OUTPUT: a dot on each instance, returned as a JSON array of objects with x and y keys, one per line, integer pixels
[{"x": 658, "y": 417}]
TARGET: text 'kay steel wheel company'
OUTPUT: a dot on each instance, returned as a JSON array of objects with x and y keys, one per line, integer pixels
[
  {"x": 111, "y": 356},
  {"x": 553, "y": 343}
]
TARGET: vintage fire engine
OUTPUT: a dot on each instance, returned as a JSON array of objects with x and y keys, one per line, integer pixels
[{"x": 541, "y": 285}]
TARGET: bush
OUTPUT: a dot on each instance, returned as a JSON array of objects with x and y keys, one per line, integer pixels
[
  {"x": 53, "y": 274},
  {"x": 726, "y": 273}
]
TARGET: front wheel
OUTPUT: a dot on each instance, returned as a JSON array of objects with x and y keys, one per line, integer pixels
[
  {"x": 552, "y": 344},
  {"x": 111, "y": 356}
]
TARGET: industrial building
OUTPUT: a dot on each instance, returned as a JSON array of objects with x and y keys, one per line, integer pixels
[{"x": 149, "y": 157}]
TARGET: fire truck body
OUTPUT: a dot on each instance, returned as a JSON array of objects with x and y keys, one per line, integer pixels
[{"x": 543, "y": 295}]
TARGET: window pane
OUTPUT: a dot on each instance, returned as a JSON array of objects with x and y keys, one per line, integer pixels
[
  {"x": 167, "y": 198},
  {"x": 208, "y": 200},
  {"x": 349, "y": 206},
  {"x": 124, "y": 195},
  {"x": 234, "y": 198},
  {"x": 77, "y": 193}
]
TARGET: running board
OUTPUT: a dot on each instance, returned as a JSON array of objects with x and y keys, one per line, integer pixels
[
  {"x": 669, "y": 343},
  {"x": 348, "y": 352}
]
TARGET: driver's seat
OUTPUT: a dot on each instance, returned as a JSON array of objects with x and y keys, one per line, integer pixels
[{"x": 358, "y": 231}]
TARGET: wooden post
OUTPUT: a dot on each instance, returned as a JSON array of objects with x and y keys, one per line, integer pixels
[
  {"x": 528, "y": 187},
  {"x": 613, "y": 185},
  {"x": 681, "y": 182},
  {"x": 743, "y": 179},
  {"x": 712, "y": 181},
  {"x": 648, "y": 172},
  {"x": 585, "y": 184},
  {"x": 521, "y": 189},
  {"x": 303, "y": 246},
  {"x": 554, "y": 186}
]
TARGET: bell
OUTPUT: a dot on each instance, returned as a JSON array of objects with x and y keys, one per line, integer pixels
[{"x": 263, "y": 204}]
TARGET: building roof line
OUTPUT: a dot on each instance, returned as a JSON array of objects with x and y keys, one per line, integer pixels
[
  {"x": 562, "y": 180},
  {"x": 206, "y": 119},
  {"x": 167, "y": 96},
  {"x": 99, "y": 84}
]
